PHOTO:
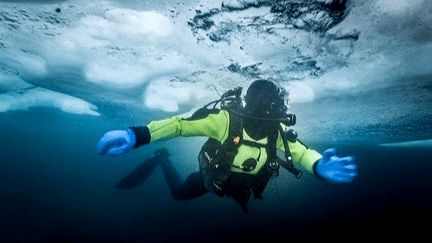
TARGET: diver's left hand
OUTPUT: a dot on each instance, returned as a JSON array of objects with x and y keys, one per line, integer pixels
[{"x": 335, "y": 169}]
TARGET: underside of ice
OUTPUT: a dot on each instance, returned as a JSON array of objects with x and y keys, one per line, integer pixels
[{"x": 355, "y": 70}]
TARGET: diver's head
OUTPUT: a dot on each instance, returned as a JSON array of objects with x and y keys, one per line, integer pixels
[{"x": 267, "y": 100}]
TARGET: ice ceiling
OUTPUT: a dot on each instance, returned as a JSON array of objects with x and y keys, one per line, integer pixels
[{"x": 355, "y": 70}]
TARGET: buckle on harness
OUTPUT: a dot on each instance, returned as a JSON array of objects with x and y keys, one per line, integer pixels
[{"x": 273, "y": 168}]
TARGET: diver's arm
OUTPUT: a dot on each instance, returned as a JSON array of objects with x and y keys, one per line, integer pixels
[
  {"x": 327, "y": 166},
  {"x": 142, "y": 135},
  {"x": 214, "y": 125},
  {"x": 303, "y": 155}
]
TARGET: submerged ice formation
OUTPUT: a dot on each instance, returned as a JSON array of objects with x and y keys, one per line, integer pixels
[
  {"x": 125, "y": 46},
  {"x": 173, "y": 56},
  {"x": 38, "y": 97},
  {"x": 316, "y": 15},
  {"x": 112, "y": 47},
  {"x": 409, "y": 144}
]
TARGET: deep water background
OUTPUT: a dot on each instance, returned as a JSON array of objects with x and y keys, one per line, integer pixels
[
  {"x": 54, "y": 187},
  {"x": 358, "y": 74}
]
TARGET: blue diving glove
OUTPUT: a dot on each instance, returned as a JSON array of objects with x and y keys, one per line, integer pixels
[
  {"x": 335, "y": 169},
  {"x": 121, "y": 141}
]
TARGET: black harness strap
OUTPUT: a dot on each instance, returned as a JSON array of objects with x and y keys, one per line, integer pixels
[
  {"x": 226, "y": 153},
  {"x": 235, "y": 134},
  {"x": 253, "y": 144},
  {"x": 288, "y": 164},
  {"x": 272, "y": 162},
  {"x": 220, "y": 157}
]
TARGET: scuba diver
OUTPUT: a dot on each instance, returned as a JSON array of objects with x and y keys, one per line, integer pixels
[{"x": 240, "y": 156}]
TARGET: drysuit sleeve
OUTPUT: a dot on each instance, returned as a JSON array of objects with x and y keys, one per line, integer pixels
[
  {"x": 300, "y": 153},
  {"x": 214, "y": 125}
]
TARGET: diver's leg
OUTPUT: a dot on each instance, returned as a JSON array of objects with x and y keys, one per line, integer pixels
[
  {"x": 191, "y": 188},
  {"x": 142, "y": 172}
]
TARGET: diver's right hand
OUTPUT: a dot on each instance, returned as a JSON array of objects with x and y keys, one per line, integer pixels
[{"x": 121, "y": 142}]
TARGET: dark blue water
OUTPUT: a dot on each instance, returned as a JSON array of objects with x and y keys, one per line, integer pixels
[{"x": 54, "y": 187}]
